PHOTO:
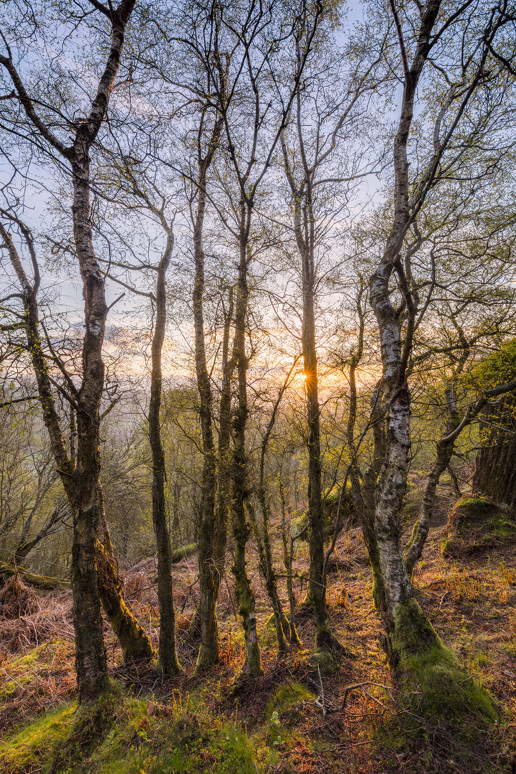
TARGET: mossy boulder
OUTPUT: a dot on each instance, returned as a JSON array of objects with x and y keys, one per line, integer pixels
[
  {"x": 476, "y": 525},
  {"x": 436, "y": 694},
  {"x": 324, "y": 662},
  {"x": 287, "y": 703}
]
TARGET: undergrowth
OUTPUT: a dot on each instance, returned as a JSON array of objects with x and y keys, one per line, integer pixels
[
  {"x": 119, "y": 734},
  {"x": 291, "y": 720}
]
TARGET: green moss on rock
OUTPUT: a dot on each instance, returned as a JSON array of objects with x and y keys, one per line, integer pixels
[
  {"x": 476, "y": 525},
  {"x": 287, "y": 701},
  {"x": 435, "y": 689},
  {"x": 323, "y": 661}
]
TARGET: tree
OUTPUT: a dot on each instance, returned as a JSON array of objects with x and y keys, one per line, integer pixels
[
  {"x": 316, "y": 175},
  {"x": 410, "y": 637},
  {"x": 80, "y": 477}
]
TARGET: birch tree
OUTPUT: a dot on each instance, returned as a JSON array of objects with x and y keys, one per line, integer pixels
[{"x": 70, "y": 140}]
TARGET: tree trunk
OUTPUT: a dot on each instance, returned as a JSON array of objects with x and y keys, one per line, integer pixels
[
  {"x": 317, "y": 583},
  {"x": 304, "y": 228},
  {"x": 268, "y": 574},
  {"x": 288, "y": 560},
  {"x": 41, "y": 581},
  {"x": 209, "y": 569},
  {"x": 495, "y": 471},
  {"x": 244, "y": 592},
  {"x": 444, "y": 453},
  {"x": 216, "y": 567},
  {"x": 168, "y": 662},
  {"x": 80, "y": 481},
  {"x": 391, "y": 484},
  {"x": 134, "y": 641}
]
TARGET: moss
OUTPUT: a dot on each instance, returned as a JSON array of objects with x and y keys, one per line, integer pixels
[
  {"x": 286, "y": 699},
  {"x": 91, "y": 724},
  {"x": 434, "y": 687},
  {"x": 27, "y": 749},
  {"x": 323, "y": 661},
  {"x": 136, "y": 645},
  {"x": 137, "y": 736},
  {"x": 298, "y": 523},
  {"x": 183, "y": 552},
  {"x": 476, "y": 525}
]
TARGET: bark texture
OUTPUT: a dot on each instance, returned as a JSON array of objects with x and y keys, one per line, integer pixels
[
  {"x": 81, "y": 478},
  {"x": 168, "y": 661},
  {"x": 211, "y": 528},
  {"x": 495, "y": 472},
  {"x": 240, "y": 493}
]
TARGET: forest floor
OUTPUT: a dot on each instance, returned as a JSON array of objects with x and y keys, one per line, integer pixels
[{"x": 293, "y": 718}]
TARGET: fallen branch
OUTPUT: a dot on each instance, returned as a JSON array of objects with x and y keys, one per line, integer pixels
[{"x": 41, "y": 581}]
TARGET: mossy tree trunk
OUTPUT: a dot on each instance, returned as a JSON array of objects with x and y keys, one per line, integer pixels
[
  {"x": 397, "y": 331},
  {"x": 444, "y": 454},
  {"x": 305, "y": 233},
  {"x": 391, "y": 484},
  {"x": 240, "y": 484},
  {"x": 80, "y": 480},
  {"x": 209, "y": 569},
  {"x": 91, "y": 664},
  {"x": 134, "y": 641},
  {"x": 168, "y": 661}
]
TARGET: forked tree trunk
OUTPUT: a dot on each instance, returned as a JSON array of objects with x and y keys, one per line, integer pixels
[
  {"x": 89, "y": 521},
  {"x": 391, "y": 484}
]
